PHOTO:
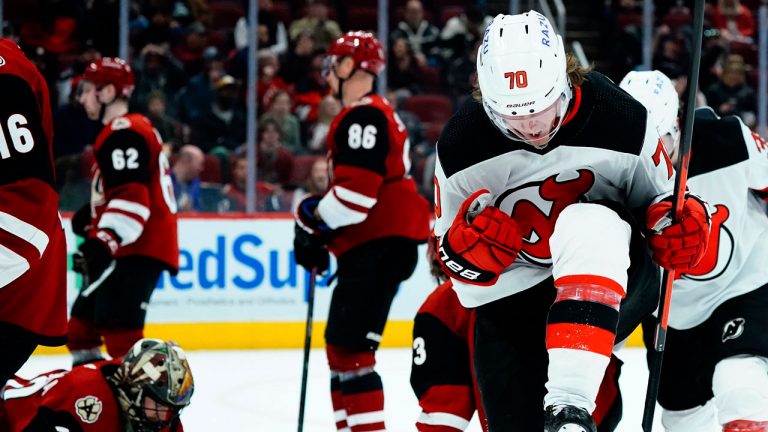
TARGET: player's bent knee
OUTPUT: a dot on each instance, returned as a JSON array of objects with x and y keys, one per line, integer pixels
[
  {"x": 591, "y": 240},
  {"x": 701, "y": 418},
  {"x": 740, "y": 386},
  {"x": 342, "y": 360}
]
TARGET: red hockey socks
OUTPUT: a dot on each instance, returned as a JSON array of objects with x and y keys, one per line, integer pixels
[
  {"x": 362, "y": 394},
  {"x": 364, "y": 401},
  {"x": 581, "y": 329},
  {"x": 337, "y": 401},
  {"x": 118, "y": 342},
  {"x": 82, "y": 335}
]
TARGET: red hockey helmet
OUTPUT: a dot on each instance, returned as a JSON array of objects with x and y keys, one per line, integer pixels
[
  {"x": 111, "y": 70},
  {"x": 366, "y": 51}
]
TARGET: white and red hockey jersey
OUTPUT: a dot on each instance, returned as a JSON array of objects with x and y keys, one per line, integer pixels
[
  {"x": 606, "y": 149},
  {"x": 33, "y": 262},
  {"x": 729, "y": 166},
  {"x": 371, "y": 194},
  {"x": 132, "y": 190}
]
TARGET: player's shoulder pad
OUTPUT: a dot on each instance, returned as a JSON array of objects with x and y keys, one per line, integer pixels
[
  {"x": 469, "y": 138},
  {"x": 717, "y": 142},
  {"x": 607, "y": 118},
  {"x": 361, "y": 138}
]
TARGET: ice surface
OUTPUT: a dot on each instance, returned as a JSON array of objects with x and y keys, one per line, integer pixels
[{"x": 259, "y": 390}]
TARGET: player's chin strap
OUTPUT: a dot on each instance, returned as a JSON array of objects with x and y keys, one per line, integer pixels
[
  {"x": 339, "y": 94},
  {"x": 103, "y": 106}
]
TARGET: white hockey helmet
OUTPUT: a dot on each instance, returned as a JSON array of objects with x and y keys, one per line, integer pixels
[
  {"x": 656, "y": 92},
  {"x": 521, "y": 70}
]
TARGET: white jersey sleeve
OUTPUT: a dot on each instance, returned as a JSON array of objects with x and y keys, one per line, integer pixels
[
  {"x": 758, "y": 160},
  {"x": 653, "y": 178}
]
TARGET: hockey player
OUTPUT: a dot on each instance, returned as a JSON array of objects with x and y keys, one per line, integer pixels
[
  {"x": 715, "y": 371},
  {"x": 371, "y": 219},
  {"x": 33, "y": 262},
  {"x": 538, "y": 178},
  {"x": 132, "y": 237},
  {"x": 143, "y": 392},
  {"x": 441, "y": 373}
]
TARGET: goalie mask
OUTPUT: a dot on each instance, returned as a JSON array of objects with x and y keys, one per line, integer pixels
[
  {"x": 656, "y": 92},
  {"x": 154, "y": 384},
  {"x": 521, "y": 71}
]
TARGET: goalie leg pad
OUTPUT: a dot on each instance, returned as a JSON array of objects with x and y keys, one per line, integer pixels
[{"x": 740, "y": 385}]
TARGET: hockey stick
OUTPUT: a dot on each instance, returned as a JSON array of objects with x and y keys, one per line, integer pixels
[
  {"x": 307, "y": 344},
  {"x": 681, "y": 177}
]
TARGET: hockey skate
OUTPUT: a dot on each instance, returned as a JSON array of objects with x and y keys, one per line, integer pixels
[{"x": 567, "y": 418}]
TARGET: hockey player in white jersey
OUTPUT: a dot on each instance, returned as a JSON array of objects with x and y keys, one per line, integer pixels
[
  {"x": 715, "y": 371},
  {"x": 544, "y": 181}
]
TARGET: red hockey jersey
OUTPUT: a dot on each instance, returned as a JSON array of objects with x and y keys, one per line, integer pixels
[
  {"x": 32, "y": 246},
  {"x": 371, "y": 194},
  {"x": 80, "y": 400},
  {"x": 132, "y": 191},
  {"x": 441, "y": 374}
]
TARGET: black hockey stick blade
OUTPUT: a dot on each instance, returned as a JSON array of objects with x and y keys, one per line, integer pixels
[
  {"x": 681, "y": 178},
  {"x": 307, "y": 346}
]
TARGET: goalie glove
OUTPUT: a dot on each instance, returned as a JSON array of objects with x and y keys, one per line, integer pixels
[
  {"x": 481, "y": 243},
  {"x": 680, "y": 245}
]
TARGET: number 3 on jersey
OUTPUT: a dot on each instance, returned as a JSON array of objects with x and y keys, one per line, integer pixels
[{"x": 364, "y": 137}]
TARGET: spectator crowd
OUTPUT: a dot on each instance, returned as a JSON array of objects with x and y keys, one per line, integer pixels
[{"x": 190, "y": 61}]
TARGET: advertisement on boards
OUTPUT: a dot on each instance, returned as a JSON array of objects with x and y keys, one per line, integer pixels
[{"x": 241, "y": 269}]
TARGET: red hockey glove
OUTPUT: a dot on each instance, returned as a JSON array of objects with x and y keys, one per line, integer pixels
[
  {"x": 681, "y": 245},
  {"x": 481, "y": 243}
]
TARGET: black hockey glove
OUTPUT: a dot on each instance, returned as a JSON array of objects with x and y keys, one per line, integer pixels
[
  {"x": 310, "y": 251},
  {"x": 81, "y": 221},
  {"x": 95, "y": 254},
  {"x": 305, "y": 216}
]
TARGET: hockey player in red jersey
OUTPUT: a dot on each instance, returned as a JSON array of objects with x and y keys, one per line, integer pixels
[
  {"x": 33, "y": 262},
  {"x": 371, "y": 219},
  {"x": 442, "y": 375},
  {"x": 545, "y": 180},
  {"x": 715, "y": 371},
  {"x": 143, "y": 392},
  {"x": 132, "y": 237}
]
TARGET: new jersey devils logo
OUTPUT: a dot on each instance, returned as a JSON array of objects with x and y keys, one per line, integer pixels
[
  {"x": 733, "y": 329},
  {"x": 719, "y": 249},
  {"x": 536, "y": 206}
]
